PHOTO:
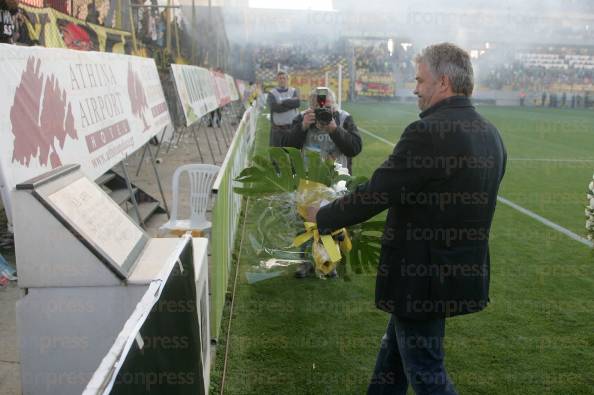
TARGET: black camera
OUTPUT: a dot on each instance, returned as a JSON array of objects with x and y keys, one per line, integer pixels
[{"x": 323, "y": 114}]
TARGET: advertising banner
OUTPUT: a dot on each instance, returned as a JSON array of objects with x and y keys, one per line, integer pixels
[
  {"x": 242, "y": 87},
  {"x": 221, "y": 87},
  {"x": 196, "y": 91},
  {"x": 233, "y": 93},
  {"x": 60, "y": 106},
  {"x": 375, "y": 85}
]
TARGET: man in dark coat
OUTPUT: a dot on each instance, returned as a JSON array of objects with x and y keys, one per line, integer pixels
[{"x": 440, "y": 188}]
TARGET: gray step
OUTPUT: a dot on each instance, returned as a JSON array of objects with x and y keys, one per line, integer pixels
[
  {"x": 146, "y": 210},
  {"x": 105, "y": 178},
  {"x": 121, "y": 195}
]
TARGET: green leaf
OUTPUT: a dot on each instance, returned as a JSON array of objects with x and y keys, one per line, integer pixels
[
  {"x": 369, "y": 226},
  {"x": 364, "y": 256},
  {"x": 354, "y": 182},
  {"x": 319, "y": 170},
  {"x": 282, "y": 170},
  {"x": 271, "y": 175},
  {"x": 282, "y": 165},
  {"x": 297, "y": 162}
]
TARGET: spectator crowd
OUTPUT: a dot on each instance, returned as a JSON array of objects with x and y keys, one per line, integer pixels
[
  {"x": 306, "y": 56},
  {"x": 537, "y": 71}
]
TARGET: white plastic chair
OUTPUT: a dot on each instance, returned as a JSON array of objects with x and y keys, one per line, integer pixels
[{"x": 202, "y": 176}]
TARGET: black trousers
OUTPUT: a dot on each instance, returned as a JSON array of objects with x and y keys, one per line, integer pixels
[{"x": 276, "y": 136}]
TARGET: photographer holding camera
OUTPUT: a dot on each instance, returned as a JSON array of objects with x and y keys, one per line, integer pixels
[{"x": 325, "y": 129}]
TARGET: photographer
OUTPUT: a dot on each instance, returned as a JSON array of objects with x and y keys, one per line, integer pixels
[{"x": 325, "y": 129}]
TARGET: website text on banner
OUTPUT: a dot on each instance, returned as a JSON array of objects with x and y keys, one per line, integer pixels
[
  {"x": 62, "y": 106},
  {"x": 196, "y": 91},
  {"x": 226, "y": 210}
]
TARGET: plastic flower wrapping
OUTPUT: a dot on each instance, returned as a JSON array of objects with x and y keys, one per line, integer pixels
[{"x": 283, "y": 187}]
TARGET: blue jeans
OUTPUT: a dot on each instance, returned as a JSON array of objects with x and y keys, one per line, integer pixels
[{"x": 411, "y": 352}]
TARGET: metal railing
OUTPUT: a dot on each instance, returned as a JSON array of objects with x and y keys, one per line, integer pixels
[{"x": 226, "y": 211}]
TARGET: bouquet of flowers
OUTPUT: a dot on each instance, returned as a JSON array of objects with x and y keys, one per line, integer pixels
[{"x": 288, "y": 184}]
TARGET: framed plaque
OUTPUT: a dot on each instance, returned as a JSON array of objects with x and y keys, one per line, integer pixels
[{"x": 93, "y": 217}]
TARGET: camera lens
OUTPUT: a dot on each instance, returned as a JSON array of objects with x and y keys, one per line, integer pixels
[{"x": 323, "y": 115}]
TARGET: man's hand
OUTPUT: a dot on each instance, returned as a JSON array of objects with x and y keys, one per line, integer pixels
[
  {"x": 311, "y": 213},
  {"x": 330, "y": 127},
  {"x": 309, "y": 117}
]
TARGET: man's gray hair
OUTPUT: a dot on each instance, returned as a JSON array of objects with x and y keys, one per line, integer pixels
[
  {"x": 453, "y": 62},
  {"x": 313, "y": 98}
]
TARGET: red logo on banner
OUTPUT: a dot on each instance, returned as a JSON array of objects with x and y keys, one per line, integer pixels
[
  {"x": 38, "y": 121},
  {"x": 137, "y": 96}
]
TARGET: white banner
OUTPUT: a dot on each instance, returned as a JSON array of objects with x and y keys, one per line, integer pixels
[
  {"x": 242, "y": 88},
  {"x": 196, "y": 91},
  {"x": 223, "y": 94},
  {"x": 233, "y": 94},
  {"x": 61, "y": 106}
]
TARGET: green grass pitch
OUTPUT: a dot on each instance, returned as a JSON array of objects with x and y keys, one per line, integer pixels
[{"x": 311, "y": 336}]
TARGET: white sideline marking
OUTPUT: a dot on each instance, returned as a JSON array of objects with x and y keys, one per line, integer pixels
[
  {"x": 546, "y": 222},
  {"x": 521, "y": 209},
  {"x": 551, "y": 160},
  {"x": 375, "y": 136}
]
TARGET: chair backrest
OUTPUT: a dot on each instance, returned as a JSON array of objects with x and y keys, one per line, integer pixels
[{"x": 202, "y": 176}]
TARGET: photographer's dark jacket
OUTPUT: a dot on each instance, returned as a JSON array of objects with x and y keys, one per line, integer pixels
[
  {"x": 339, "y": 146},
  {"x": 440, "y": 188}
]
